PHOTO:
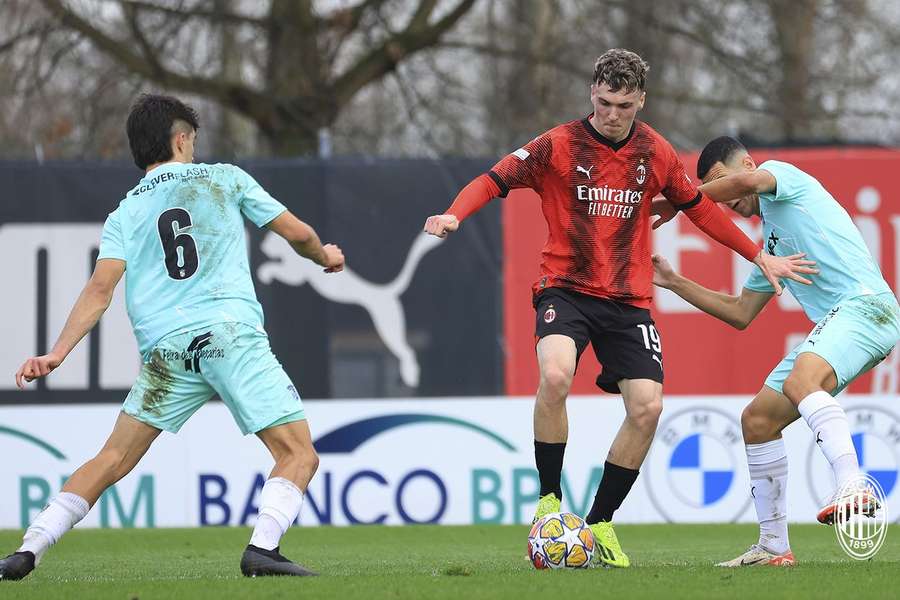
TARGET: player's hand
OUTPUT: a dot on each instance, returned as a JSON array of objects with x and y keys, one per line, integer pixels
[
  {"x": 37, "y": 366},
  {"x": 664, "y": 210},
  {"x": 333, "y": 260},
  {"x": 663, "y": 274},
  {"x": 776, "y": 268},
  {"x": 441, "y": 225}
]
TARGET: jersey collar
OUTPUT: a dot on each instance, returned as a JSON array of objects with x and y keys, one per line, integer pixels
[
  {"x": 616, "y": 146},
  {"x": 162, "y": 167}
]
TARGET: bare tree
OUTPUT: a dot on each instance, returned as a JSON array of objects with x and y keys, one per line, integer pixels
[
  {"x": 306, "y": 66},
  {"x": 441, "y": 77}
]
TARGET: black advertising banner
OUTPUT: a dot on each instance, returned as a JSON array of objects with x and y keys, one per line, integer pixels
[{"x": 411, "y": 315}]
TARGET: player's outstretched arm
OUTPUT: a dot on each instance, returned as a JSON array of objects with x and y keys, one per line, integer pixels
[
  {"x": 713, "y": 222},
  {"x": 710, "y": 220},
  {"x": 470, "y": 199},
  {"x": 732, "y": 187},
  {"x": 737, "y": 311},
  {"x": 305, "y": 242},
  {"x": 90, "y": 306}
]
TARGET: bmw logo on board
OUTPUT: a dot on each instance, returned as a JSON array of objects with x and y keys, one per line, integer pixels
[{"x": 696, "y": 471}]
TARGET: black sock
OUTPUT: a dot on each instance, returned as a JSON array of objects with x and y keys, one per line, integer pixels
[
  {"x": 549, "y": 461},
  {"x": 614, "y": 486}
]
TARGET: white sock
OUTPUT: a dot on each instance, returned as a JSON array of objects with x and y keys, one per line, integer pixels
[
  {"x": 59, "y": 516},
  {"x": 279, "y": 505},
  {"x": 829, "y": 425},
  {"x": 768, "y": 477}
]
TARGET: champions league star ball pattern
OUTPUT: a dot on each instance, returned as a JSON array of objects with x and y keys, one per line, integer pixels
[{"x": 560, "y": 541}]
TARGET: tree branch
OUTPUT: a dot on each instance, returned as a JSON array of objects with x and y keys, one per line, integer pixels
[
  {"x": 131, "y": 16},
  {"x": 247, "y": 101},
  {"x": 348, "y": 19},
  {"x": 210, "y": 15},
  {"x": 35, "y": 30},
  {"x": 382, "y": 60}
]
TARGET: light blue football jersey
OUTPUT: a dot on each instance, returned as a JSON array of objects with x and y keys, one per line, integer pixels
[
  {"x": 181, "y": 234},
  {"x": 801, "y": 216}
]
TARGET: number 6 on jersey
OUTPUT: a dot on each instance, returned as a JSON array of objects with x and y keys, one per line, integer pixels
[{"x": 180, "y": 249}]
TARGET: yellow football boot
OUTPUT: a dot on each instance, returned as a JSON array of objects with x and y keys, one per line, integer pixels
[{"x": 608, "y": 550}]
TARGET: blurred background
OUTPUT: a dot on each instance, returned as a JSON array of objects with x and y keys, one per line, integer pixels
[
  {"x": 391, "y": 78},
  {"x": 365, "y": 117}
]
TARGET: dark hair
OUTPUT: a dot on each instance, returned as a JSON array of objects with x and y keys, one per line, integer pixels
[
  {"x": 621, "y": 69},
  {"x": 151, "y": 125},
  {"x": 721, "y": 150}
]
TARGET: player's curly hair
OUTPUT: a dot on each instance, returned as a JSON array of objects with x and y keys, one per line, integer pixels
[
  {"x": 151, "y": 125},
  {"x": 621, "y": 69}
]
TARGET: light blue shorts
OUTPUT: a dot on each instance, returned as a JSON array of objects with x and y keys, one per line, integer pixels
[
  {"x": 853, "y": 337},
  {"x": 233, "y": 360}
]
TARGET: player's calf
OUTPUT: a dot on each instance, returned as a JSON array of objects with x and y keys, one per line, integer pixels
[{"x": 282, "y": 495}]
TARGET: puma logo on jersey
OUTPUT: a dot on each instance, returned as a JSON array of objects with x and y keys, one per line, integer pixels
[
  {"x": 381, "y": 301},
  {"x": 587, "y": 172}
]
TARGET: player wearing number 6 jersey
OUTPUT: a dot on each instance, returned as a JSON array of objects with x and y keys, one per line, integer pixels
[
  {"x": 596, "y": 177},
  {"x": 180, "y": 234}
]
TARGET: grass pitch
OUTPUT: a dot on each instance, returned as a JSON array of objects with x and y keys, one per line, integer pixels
[{"x": 670, "y": 561}]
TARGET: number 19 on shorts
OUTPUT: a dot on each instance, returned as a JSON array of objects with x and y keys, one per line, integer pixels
[{"x": 651, "y": 337}]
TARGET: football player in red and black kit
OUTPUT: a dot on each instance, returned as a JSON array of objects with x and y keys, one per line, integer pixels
[{"x": 597, "y": 177}]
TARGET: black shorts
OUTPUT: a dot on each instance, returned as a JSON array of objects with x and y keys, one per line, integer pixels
[{"x": 624, "y": 337}]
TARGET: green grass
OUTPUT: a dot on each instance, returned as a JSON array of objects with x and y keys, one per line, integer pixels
[{"x": 671, "y": 561}]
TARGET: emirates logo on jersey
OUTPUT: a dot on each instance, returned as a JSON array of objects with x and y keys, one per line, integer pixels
[
  {"x": 641, "y": 173},
  {"x": 609, "y": 202}
]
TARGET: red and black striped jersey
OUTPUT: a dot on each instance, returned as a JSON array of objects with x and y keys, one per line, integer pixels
[{"x": 596, "y": 197}]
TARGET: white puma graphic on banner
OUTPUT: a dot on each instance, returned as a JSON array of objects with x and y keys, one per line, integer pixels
[{"x": 381, "y": 301}]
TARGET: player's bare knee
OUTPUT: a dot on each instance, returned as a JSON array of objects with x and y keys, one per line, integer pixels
[
  {"x": 555, "y": 383},
  {"x": 311, "y": 461},
  {"x": 645, "y": 413},
  {"x": 299, "y": 456},
  {"x": 757, "y": 426},
  {"x": 797, "y": 387}
]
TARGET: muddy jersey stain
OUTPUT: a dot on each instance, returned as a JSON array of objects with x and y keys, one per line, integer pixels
[
  {"x": 219, "y": 197},
  {"x": 878, "y": 311},
  {"x": 158, "y": 382}
]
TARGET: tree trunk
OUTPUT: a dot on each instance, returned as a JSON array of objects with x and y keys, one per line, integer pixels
[
  {"x": 794, "y": 22},
  {"x": 292, "y": 141},
  {"x": 654, "y": 48},
  {"x": 295, "y": 73}
]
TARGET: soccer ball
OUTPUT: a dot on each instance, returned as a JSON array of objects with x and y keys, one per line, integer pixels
[{"x": 560, "y": 541}]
